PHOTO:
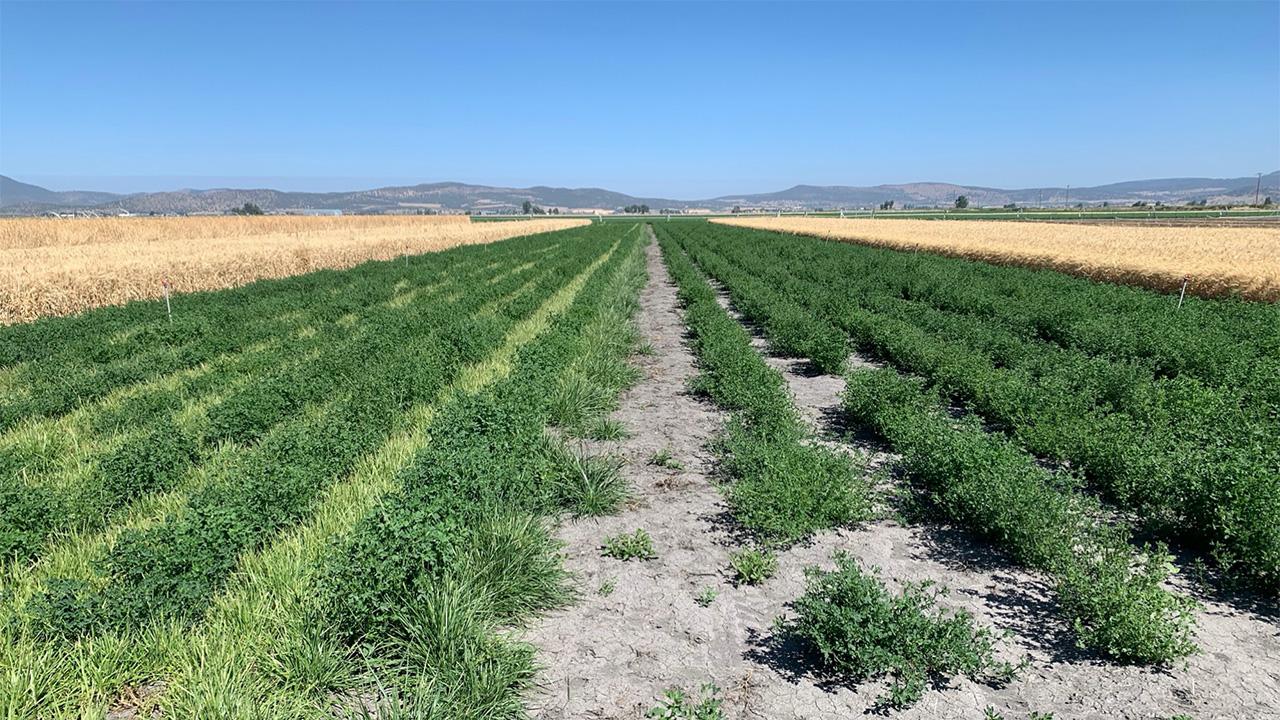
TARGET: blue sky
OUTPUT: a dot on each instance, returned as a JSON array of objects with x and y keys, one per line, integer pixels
[{"x": 663, "y": 99}]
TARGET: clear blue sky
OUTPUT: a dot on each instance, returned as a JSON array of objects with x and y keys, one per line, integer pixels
[{"x": 665, "y": 99}]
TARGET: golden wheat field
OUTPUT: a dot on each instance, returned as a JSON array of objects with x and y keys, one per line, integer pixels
[
  {"x": 52, "y": 266},
  {"x": 1219, "y": 261}
]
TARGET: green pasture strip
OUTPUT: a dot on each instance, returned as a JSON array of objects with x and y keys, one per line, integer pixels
[
  {"x": 1200, "y": 465},
  {"x": 256, "y": 633},
  {"x": 783, "y": 488},
  {"x": 167, "y": 569},
  {"x": 160, "y": 454},
  {"x": 1113, "y": 595},
  {"x": 86, "y": 356}
]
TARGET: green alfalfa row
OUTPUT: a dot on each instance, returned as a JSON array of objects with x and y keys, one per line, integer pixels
[
  {"x": 459, "y": 550},
  {"x": 159, "y": 456},
  {"x": 1198, "y": 463},
  {"x": 1112, "y": 593},
  {"x": 1218, "y": 341},
  {"x": 783, "y": 488},
  {"x": 172, "y": 569}
]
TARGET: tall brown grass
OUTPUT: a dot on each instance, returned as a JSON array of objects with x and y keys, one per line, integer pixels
[
  {"x": 1218, "y": 261},
  {"x": 51, "y": 266}
]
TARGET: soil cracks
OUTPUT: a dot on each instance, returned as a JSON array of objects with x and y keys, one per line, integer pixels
[{"x": 636, "y": 628}]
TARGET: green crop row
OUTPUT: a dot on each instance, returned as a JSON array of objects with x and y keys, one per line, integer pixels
[
  {"x": 172, "y": 569},
  {"x": 1200, "y": 464},
  {"x": 1113, "y": 595},
  {"x": 783, "y": 488},
  {"x": 158, "y": 452},
  {"x": 1221, "y": 342},
  {"x": 421, "y": 587}
]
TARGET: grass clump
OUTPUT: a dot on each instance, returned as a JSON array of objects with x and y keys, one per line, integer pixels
[
  {"x": 752, "y": 566},
  {"x": 588, "y": 484},
  {"x": 630, "y": 546},
  {"x": 706, "y": 596},
  {"x": 678, "y": 704},
  {"x": 862, "y": 630}
]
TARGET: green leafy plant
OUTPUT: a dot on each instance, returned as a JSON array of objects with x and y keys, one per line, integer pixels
[
  {"x": 664, "y": 459},
  {"x": 630, "y": 546},
  {"x": 677, "y": 704},
  {"x": 752, "y": 566},
  {"x": 863, "y": 631},
  {"x": 607, "y": 587},
  {"x": 706, "y": 596}
]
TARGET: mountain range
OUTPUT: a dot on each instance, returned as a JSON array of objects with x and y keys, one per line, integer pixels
[{"x": 18, "y": 198}]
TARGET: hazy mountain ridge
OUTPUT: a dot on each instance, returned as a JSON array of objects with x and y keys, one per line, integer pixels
[{"x": 23, "y": 198}]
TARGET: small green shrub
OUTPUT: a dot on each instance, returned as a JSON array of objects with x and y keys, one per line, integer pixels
[
  {"x": 706, "y": 596},
  {"x": 630, "y": 546},
  {"x": 752, "y": 566},
  {"x": 607, "y": 587},
  {"x": 861, "y": 630}
]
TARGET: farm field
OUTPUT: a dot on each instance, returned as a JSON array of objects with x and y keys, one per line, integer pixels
[
  {"x": 1235, "y": 261},
  {"x": 52, "y": 266},
  {"x": 627, "y": 469}
]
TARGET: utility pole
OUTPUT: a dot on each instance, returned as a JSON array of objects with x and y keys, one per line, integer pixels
[
  {"x": 1257, "y": 188},
  {"x": 1068, "y": 196}
]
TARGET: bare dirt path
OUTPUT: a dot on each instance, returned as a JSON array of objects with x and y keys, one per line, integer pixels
[{"x": 611, "y": 655}]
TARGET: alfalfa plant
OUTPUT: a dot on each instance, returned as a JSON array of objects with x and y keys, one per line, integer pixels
[
  {"x": 752, "y": 566},
  {"x": 630, "y": 546},
  {"x": 863, "y": 631},
  {"x": 706, "y": 596}
]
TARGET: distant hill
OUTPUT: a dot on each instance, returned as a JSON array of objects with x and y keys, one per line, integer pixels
[
  {"x": 1170, "y": 191},
  {"x": 14, "y": 193},
  {"x": 22, "y": 198}
]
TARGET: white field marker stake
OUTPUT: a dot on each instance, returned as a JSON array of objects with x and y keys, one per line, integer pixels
[
  {"x": 1183, "y": 294},
  {"x": 167, "y": 307}
]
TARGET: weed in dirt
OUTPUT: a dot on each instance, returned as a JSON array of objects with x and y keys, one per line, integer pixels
[
  {"x": 607, "y": 587},
  {"x": 752, "y": 566},
  {"x": 680, "y": 705},
  {"x": 646, "y": 349},
  {"x": 590, "y": 484},
  {"x": 606, "y": 429},
  {"x": 863, "y": 631},
  {"x": 630, "y": 546},
  {"x": 706, "y": 596},
  {"x": 664, "y": 459}
]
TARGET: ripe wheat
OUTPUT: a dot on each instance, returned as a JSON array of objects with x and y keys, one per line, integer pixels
[{"x": 52, "y": 266}]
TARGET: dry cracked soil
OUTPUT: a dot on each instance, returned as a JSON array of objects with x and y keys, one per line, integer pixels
[{"x": 637, "y": 628}]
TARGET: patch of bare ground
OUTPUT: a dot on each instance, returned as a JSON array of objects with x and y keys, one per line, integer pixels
[{"x": 613, "y": 653}]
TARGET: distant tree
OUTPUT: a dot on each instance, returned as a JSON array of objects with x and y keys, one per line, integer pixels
[
  {"x": 527, "y": 208},
  {"x": 962, "y": 202},
  {"x": 738, "y": 208},
  {"x": 1106, "y": 204},
  {"x": 886, "y": 205},
  {"x": 1140, "y": 203},
  {"x": 1011, "y": 206},
  {"x": 1267, "y": 202},
  {"x": 247, "y": 209},
  {"x": 636, "y": 209}
]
